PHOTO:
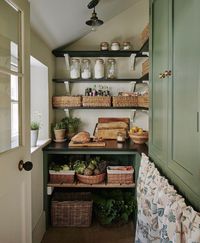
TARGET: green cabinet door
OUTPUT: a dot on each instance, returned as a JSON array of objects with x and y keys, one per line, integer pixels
[
  {"x": 183, "y": 144},
  {"x": 159, "y": 54}
]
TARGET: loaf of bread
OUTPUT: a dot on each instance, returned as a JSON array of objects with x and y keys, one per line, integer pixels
[
  {"x": 81, "y": 137},
  {"x": 112, "y": 125}
]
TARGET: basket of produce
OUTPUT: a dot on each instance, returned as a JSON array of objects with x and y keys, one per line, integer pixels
[
  {"x": 61, "y": 174},
  {"x": 124, "y": 101},
  {"x": 90, "y": 172},
  {"x": 138, "y": 135},
  {"x": 66, "y": 101},
  {"x": 120, "y": 174},
  {"x": 96, "y": 101},
  {"x": 71, "y": 209}
]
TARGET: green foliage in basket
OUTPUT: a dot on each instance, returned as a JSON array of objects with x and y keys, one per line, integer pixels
[
  {"x": 60, "y": 167},
  {"x": 71, "y": 123},
  {"x": 114, "y": 207},
  {"x": 93, "y": 166}
]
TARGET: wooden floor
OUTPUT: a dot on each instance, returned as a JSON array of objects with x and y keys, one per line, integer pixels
[{"x": 93, "y": 234}]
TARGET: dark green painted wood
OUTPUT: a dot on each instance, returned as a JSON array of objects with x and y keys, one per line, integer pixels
[
  {"x": 100, "y": 108},
  {"x": 180, "y": 161},
  {"x": 159, "y": 87},
  {"x": 184, "y": 157}
]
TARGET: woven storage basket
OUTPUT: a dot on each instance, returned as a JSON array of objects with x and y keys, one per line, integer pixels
[
  {"x": 66, "y": 101},
  {"x": 71, "y": 209},
  {"x": 145, "y": 67},
  {"x": 96, "y": 101},
  {"x": 61, "y": 177},
  {"x": 139, "y": 138},
  {"x": 117, "y": 176},
  {"x": 124, "y": 101},
  {"x": 94, "y": 179},
  {"x": 143, "y": 101}
]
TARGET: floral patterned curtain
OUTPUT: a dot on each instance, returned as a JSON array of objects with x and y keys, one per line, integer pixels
[{"x": 163, "y": 216}]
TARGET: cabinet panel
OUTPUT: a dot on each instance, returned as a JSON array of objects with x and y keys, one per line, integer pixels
[
  {"x": 159, "y": 86},
  {"x": 183, "y": 140}
]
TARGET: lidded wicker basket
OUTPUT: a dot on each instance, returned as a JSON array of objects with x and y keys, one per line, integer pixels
[
  {"x": 96, "y": 101},
  {"x": 124, "y": 101},
  {"x": 66, "y": 101}
]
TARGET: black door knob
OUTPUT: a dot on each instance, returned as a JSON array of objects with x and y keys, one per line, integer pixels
[{"x": 28, "y": 165}]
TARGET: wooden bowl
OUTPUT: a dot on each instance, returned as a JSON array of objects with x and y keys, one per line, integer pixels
[{"x": 139, "y": 138}]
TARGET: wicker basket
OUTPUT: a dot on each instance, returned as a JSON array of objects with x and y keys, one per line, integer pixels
[
  {"x": 117, "y": 176},
  {"x": 71, "y": 209},
  {"x": 124, "y": 101},
  {"x": 96, "y": 101},
  {"x": 143, "y": 101},
  {"x": 139, "y": 138},
  {"x": 94, "y": 179},
  {"x": 66, "y": 101},
  {"x": 61, "y": 177},
  {"x": 145, "y": 67}
]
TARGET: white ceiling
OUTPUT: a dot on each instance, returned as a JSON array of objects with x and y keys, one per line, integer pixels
[{"x": 61, "y": 22}]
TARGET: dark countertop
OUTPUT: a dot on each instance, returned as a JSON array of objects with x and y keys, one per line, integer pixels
[{"x": 111, "y": 145}]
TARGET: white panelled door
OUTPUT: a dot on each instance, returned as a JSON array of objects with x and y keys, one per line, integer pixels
[{"x": 15, "y": 185}]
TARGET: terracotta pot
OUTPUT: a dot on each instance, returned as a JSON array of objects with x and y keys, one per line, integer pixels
[{"x": 60, "y": 134}]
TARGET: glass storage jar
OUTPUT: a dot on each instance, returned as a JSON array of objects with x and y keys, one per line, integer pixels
[
  {"x": 75, "y": 68},
  {"x": 86, "y": 69},
  {"x": 111, "y": 68},
  {"x": 115, "y": 46},
  {"x": 104, "y": 46},
  {"x": 126, "y": 46},
  {"x": 99, "y": 69}
]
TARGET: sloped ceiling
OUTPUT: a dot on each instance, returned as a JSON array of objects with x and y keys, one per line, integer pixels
[{"x": 61, "y": 22}]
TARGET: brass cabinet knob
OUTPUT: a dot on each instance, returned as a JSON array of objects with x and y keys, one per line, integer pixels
[
  {"x": 168, "y": 73},
  {"x": 162, "y": 75}
]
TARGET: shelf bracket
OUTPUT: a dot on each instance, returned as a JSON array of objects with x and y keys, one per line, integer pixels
[
  {"x": 67, "y": 60},
  {"x": 145, "y": 53},
  {"x": 132, "y": 115},
  {"x": 67, "y": 87},
  {"x": 132, "y": 84},
  {"x": 132, "y": 61},
  {"x": 145, "y": 82},
  {"x": 67, "y": 112},
  {"x": 50, "y": 190}
]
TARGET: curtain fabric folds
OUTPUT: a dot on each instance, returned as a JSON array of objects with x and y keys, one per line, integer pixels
[{"x": 163, "y": 216}]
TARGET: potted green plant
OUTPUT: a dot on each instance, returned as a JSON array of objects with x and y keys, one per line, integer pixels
[
  {"x": 60, "y": 131},
  {"x": 72, "y": 125},
  {"x": 35, "y": 126}
]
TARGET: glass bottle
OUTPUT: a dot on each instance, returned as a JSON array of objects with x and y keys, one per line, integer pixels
[
  {"x": 75, "y": 68},
  {"x": 99, "y": 69},
  {"x": 111, "y": 69},
  {"x": 86, "y": 69}
]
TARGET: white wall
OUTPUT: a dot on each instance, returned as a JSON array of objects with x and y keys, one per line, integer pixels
[
  {"x": 126, "y": 26},
  {"x": 40, "y": 97}
]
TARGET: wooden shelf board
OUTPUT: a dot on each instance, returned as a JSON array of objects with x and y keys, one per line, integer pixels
[
  {"x": 137, "y": 80},
  {"x": 97, "y": 53},
  {"x": 101, "y": 185},
  {"x": 104, "y": 108}
]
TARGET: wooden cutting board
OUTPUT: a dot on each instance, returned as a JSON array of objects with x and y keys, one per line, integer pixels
[{"x": 90, "y": 144}]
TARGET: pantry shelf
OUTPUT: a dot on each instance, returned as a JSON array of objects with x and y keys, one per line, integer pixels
[
  {"x": 82, "y": 185},
  {"x": 137, "y": 80},
  {"x": 58, "y": 53},
  {"x": 105, "y": 108}
]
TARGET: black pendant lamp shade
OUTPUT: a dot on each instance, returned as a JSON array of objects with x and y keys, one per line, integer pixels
[{"x": 94, "y": 21}]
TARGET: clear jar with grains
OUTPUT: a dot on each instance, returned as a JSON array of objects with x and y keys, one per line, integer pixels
[
  {"x": 111, "y": 69},
  {"x": 86, "y": 69},
  {"x": 75, "y": 68},
  {"x": 99, "y": 69}
]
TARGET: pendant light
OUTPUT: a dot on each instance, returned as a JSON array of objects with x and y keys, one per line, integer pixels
[{"x": 94, "y": 21}]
